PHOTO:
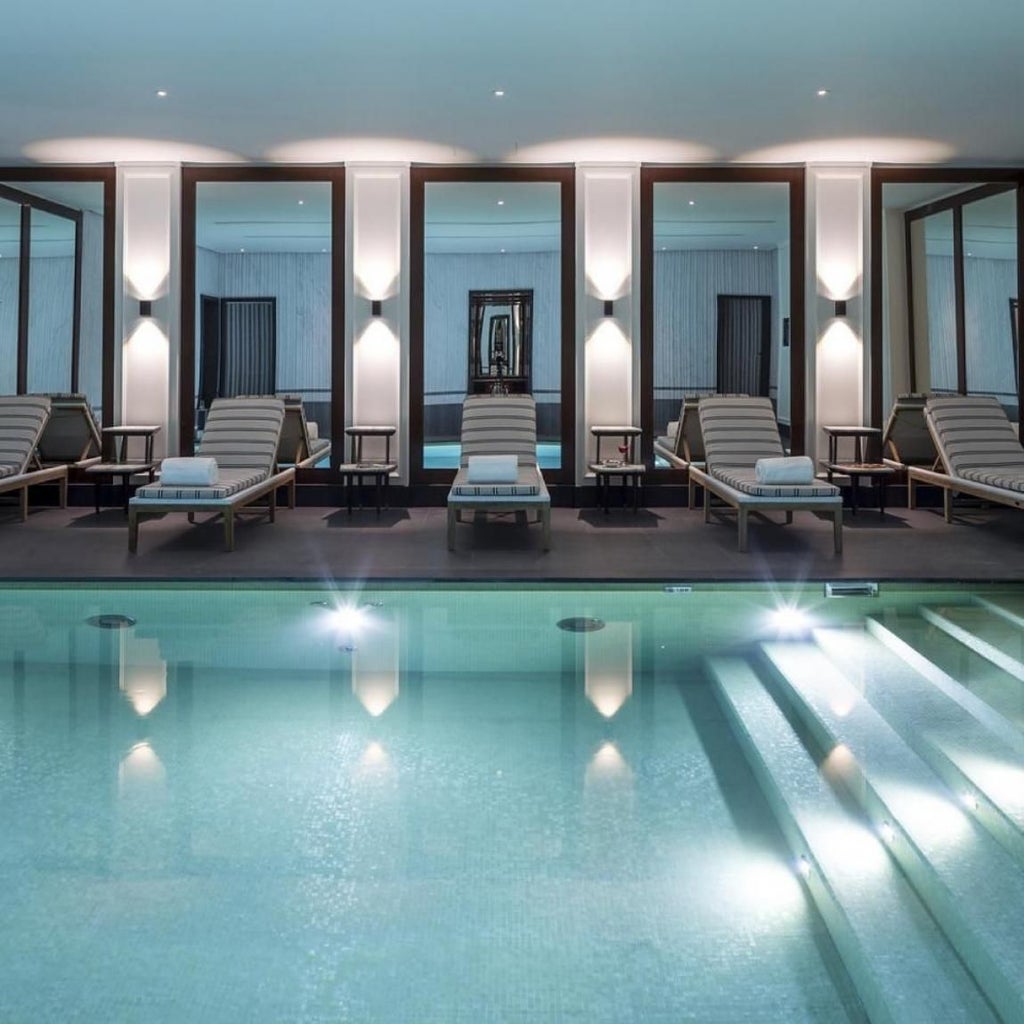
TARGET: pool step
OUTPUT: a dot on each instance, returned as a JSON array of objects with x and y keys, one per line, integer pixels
[
  {"x": 993, "y": 696},
  {"x": 972, "y": 886},
  {"x": 898, "y": 960},
  {"x": 945, "y": 725},
  {"x": 986, "y": 632}
]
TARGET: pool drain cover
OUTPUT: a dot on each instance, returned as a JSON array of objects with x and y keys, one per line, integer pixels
[
  {"x": 111, "y": 621},
  {"x": 581, "y": 625}
]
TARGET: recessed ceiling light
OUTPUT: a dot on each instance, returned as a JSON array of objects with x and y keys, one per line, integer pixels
[
  {"x": 823, "y": 92},
  {"x": 664, "y": 248},
  {"x": 323, "y": 250},
  {"x": 970, "y": 254},
  {"x": 501, "y": 202},
  {"x": 692, "y": 202},
  {"x": 757, "y": 247},
  {"x": 161, "y": 93},
  {"x": 302, "y": 202},
  {"x": 241, "y": 250},
  {"x": 498, "y": 93},
  {"x": 502, "y": 250}
]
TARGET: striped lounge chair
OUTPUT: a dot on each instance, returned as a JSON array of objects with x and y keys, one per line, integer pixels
[
  {"x": 500, "y": 425},
  {"x": 979, "y": 451},
  {"x": 298, "y": 447},
  {"x": 242, "y": 434},
  {"x": 737, "y": 432},
  {"x": 906, "y": 440},
  {"x": 71, "y": 435},
  {"x": 22, "y": 420}
]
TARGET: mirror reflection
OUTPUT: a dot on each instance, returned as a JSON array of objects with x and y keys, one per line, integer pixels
[
  {"x": 721, "y": 294},
  {"x": 263, "y": 301},
  {"x": 63, "y": 331},
  {"x": 492, "y": 274},
  {"x": 930, "y": 230}
]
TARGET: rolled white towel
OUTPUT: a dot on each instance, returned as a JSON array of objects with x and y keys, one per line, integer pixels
[
  {"x": 197, "y": 471},
  {"x": 492, "y": 469},
  {"x": 798, "y": 469}
]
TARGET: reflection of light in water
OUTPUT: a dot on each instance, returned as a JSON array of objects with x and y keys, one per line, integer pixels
[
  {"x": 143, "y": 673},
  {"x": 607, "y": 764},
  {"x": 140, "y": 771},
  {"x": 608, "y": 667},
  {"x": 375, "y": 670},
  {"x": 839, "y": 763},
  {"x": 853, "y": 845},
  {"x": 750, "y": 883},
  {"x": 374, "y": 754},
  {"x": 349, "y": 617}
]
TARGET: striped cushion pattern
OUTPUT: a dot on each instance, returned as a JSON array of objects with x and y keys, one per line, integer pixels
[
  {"x": 745, "y": 480},
  {"x": 996, "y": 478},
  {"x": 737, "y": 432},
  {"x": 974, "y": 436},
  {"x": 500, "y": 425},
  {"x": 243, "y": 433},
  {"x": 528, "y": 484},
  {"x": 229, "y": 483},
  {"x": 22, "y": 418}
]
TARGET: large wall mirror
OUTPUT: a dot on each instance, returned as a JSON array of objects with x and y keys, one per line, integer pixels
[
  {"x": 56, "y": 284},
  {"x": 948, "y": 247},
  {"x": 492, "y": 288},
  {"x": 261, "y": 294},
  {"x": 722, "y": 307}
]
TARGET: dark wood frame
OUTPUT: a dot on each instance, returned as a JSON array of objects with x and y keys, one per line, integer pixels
[
  {"x": 191, "y": 176},
  {"x": 991, "y": 180},
  {"x": 795, "y": 178},
  {"x": 420, "y": 176},
  {"x": 501, "y": 296},
  {"x": 106, "y": 176}
]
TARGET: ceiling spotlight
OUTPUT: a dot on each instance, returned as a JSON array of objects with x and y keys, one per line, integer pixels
[
  {"x": 241, "y": 250},
  {"x": 302, "y": 202},
  {"x": 498, "y": 93},
  {"x": 822, "y": 92},
  {"x": 501, "y": 202},
  {"x": 502, "y": 250},
  {"x": 162, "y": 93},
  {"x": 691, "y": 202}
]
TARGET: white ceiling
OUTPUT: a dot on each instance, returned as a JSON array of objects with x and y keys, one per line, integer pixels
[{"x": 910, "y": 81}]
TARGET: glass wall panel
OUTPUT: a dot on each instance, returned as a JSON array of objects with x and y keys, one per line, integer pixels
[
  {"x": 990, "y": 288},
  {"x": 721, "y": 293},
  {"x": 493, "y": 263},
  {"x": 263, "y": 295},
  {"x": 10, "y": 242},
  {"x": 51, "y": 302}
]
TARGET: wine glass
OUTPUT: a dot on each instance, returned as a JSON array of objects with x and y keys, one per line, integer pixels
[{"x": 624, "y": 451}]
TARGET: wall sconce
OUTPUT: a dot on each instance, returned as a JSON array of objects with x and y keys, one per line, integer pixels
[
  {"x": 375, "y": 307},
  {"x": 145, "y": 307},
  {"x": 840, "y": 307},
  {"x": 609, "y": 308}
]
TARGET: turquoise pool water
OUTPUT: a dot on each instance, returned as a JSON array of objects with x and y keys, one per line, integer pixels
[
  {"x": 445, "y": 455},
  {"x": 400, "y": 805}
]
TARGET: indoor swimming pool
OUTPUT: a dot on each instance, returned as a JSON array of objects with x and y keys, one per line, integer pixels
[
  {"x": 472, "y": 804},
  {"x": 445, "y": 455}
]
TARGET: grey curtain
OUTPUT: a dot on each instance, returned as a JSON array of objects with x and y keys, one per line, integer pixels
[{"x": 249, "y": 347}]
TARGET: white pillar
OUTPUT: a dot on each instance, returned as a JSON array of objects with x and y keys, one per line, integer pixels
[
  {"x": 837, "y": 364},
  {"x": 148, "y": 250},
  {"x": 609, "y": 373},
  {"x": 378, "y": 359}
]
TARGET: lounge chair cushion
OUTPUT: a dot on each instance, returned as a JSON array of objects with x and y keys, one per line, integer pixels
[
  {"x": 230, "y": 482},
  {"x": 22, "y": 418},
  {"x": 500, "y": 426},
  {"x": 528, "y": 483},
  {"x": 186, "y": 472},
  {"x": 745, "y": 481},
  {"x": 737, "y": 432},
  {"x": 795, "y": 470},
  {"x": 243, "y": 433},
  {"x": 976, "y": 439}
]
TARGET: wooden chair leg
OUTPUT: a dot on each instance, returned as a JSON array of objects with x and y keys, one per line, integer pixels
[
  {"x": 229, "y": 529},
  {"x": 24, "y": 503},
  {"x": 947, "y": 503},
  {"x": 742, "y": 528},
  {"x": 133, "y": 530}
]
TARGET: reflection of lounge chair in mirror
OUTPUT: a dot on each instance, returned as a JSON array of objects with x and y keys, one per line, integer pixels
[
  {"x": 683, "y": 445},
  {"x": 71, "y": 436},
  {"x": 979, "y": 451},
  {"x": 498, "y": 467},
  {"x": 22, "y": 421},
  {"x": 906, "y": 440},
  {"x": 747, "y": 469},
  {"x": 234, "y": 467},
  {"x": 301, "y": 445}
]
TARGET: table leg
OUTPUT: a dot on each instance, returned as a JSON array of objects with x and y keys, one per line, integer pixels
[{"x": 853, "y": 493}]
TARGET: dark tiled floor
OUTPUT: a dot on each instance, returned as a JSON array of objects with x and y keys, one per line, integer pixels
[{"x": 656, "y": 544}]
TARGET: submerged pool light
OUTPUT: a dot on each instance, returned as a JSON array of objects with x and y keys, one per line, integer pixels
[
  {"x": 803, "y": 867},
  {"x": 789, "y": 620}
]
